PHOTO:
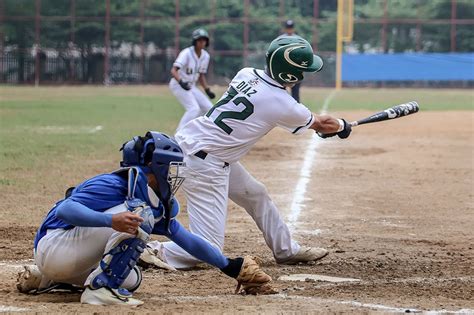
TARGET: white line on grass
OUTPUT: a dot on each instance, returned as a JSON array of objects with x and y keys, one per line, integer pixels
[
  {"x": 305, "y": 174},
  {"x": 68, "y": 129}
]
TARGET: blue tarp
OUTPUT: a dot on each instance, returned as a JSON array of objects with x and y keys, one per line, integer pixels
[{"x": 408, "y": 67}]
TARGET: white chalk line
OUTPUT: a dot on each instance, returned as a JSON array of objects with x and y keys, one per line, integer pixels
[
  {"x": 418, "y": 280},
  {"x": 305, "y": 173},
  {"x": 305, "y": 277},
  {"x": 380, "y": 307},
  {"x": 15, "y": 264},
  {"x": 7, "y": 308},
  {"x": 356, "y": 304}
]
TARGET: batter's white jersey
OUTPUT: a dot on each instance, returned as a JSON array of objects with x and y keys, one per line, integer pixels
[
  {"x": 252, "y": 106},
  {"x": 190, "y": 65}
]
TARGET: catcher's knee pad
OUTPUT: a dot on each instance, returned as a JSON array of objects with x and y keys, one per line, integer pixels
[{"x": 119, "y": 261}]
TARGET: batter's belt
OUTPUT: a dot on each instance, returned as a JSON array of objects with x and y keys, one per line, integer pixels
[{"x": 203, "y": 154}]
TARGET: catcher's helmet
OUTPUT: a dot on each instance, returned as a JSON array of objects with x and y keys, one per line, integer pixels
[
  {"x": 156, "y": 153},
  {"x": 288, "y": 57},
  {"x": 200, "y": 33}
]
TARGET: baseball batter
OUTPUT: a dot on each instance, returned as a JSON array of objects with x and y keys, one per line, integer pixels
[
  {"x": 93, "y": 238},
  {"x": 189, "y": 68},
  {"x": 255, "y": 103}
]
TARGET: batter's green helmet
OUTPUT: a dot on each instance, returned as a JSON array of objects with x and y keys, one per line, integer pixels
[
  {"x": 288, "y": 57},
  {"x": 200, "y": 33}
]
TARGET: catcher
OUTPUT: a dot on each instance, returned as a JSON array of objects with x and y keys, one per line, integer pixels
[{"x": 92, "y": 239}]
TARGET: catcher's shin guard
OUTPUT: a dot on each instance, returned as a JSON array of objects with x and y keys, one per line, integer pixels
[{"x": 121, "y": 258}]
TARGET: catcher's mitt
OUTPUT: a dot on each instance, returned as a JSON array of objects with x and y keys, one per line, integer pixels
[{"x": 253, "y": 279}]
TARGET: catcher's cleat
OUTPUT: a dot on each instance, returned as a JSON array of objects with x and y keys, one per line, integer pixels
[
  {"x": 251, "y": 276},
  {"x": 31, "y": 281},
  {"x": 304, "y": 255},
  {"x": 108, "y": 296},
  {"x": 153, "y": 258}
]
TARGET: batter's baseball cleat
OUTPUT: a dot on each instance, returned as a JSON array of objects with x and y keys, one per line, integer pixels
[
  {"x": 304, "y": 255},
  {"x": 108, "y": 296},
  {"x": 153, "y": 258}
]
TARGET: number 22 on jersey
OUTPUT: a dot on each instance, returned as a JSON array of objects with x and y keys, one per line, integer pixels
[{"x": 231, "y": 95}]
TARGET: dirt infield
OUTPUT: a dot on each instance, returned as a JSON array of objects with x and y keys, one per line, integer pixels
[{"x": 393, "y": 204}]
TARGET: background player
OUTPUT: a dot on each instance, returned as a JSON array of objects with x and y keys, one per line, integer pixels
[
  {"x": 255, "y": 103},
  {"x": 104, "y": 223},
  {"x": 190, "y": 67}
]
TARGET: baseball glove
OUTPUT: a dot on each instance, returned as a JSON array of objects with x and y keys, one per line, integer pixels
[{"x": 253, "y": 279}]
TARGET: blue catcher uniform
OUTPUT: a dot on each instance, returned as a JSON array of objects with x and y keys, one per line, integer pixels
[
  {"x": 76, "y": 244},
  {"x": 101, "y": 193}
]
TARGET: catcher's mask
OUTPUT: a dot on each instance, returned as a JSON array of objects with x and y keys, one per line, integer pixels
[{"x": 160, "y": 155}]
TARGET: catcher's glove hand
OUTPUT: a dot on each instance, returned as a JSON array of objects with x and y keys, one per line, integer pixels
[
  {"x": 185, "y": 85},
  {"x": 253, "y": 279}
]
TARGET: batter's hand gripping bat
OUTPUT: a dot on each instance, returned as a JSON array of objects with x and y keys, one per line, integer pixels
[{"x": 390, "y": 113}]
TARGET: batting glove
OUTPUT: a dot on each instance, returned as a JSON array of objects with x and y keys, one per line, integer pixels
[
  {"x": 210, "y": 93},
  {"x": 185, "y": 85},
  {"x": 344, "y": 133}
]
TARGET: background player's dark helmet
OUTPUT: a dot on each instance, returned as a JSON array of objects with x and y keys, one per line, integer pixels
[
  {"x": 200, "y": 33},
  {"x": 156, "y": 153},
  {"x": 288, "y": 57}
]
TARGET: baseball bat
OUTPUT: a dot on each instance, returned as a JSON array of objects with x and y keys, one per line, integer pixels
[{"x": 390, "y": 113}]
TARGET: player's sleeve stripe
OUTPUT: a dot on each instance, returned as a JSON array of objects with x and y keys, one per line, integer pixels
[{"x": 309, "y": 122}]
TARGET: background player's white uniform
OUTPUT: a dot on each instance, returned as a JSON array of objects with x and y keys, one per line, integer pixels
[
  {"x": 190, "y": 68},
  {"x": 253, "y": 105}
]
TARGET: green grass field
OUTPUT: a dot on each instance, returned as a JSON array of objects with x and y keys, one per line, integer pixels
[{"x": 45, "y": 126}]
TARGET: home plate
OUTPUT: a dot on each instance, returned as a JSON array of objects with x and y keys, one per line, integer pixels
[{"x": 310, "y": 277}]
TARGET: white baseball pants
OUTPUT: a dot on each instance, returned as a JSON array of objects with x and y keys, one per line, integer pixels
[
  {"x": 207, "y": 186},
  {"x": 194, "y": 101},
  {"x": 69, "y": 256}
]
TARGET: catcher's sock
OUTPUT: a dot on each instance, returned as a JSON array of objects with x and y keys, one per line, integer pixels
[{"x": 234, "y": 267}]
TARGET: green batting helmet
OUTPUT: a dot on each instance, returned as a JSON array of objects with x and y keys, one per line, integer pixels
[
  {"x": 200, "y": 33},
  {"x": 288, "y": 57}
]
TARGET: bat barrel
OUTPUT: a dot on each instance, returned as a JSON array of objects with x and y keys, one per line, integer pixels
[
  {"x": 390, "y": 113},
  {"x": 404, "y": 109}
]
